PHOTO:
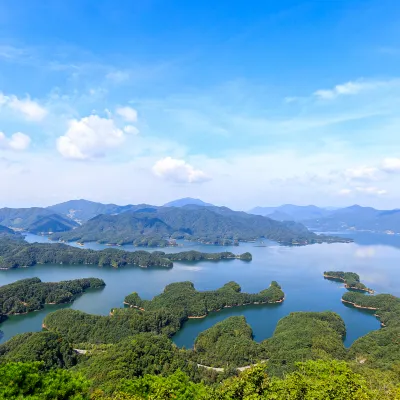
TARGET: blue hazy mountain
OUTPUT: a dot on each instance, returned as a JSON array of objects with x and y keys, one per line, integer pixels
[
  {"x": 291, "y": 212},
  {"x": 83, "y": 210},
  {"x": 187, "y": 201}
]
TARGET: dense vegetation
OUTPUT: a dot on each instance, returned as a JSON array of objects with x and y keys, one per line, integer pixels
[
  {"x": 386, "y": 306},
  {"x": 186, "y": 301},
  {"x": 212, "y": 225},
  {"x": 303, "y": 336},
  {"x": 378, "y": 348},
  {"x": 51, "y": 349},
  {"x": 351, "y": 280},
  {"x": 80, "y": 328},
  {"x": 15, "y": 253},
  {"x": 32, "y": 294},
  {"x": 329, "y": 380},
  {"x": 228, "y": 343}
]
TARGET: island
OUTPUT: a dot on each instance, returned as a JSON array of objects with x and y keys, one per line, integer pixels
[
  {"x": 190, "y": 303},
  {"x": 351, "y": 280},
  {"x": 162, "y": 226},
  {"x": 17, "y": 253},
  {"x": 385, "y": 306},
  {"x": 32, "y": 294}
]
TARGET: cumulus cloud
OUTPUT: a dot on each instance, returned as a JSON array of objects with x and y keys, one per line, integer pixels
[
  {"x": 391, "y": 165},
  {"x": 30, "y": 109},
  {"x": 179, "y": 171},
  {"x": 17, "y": 142},
  {"x": 129, "y": 114},
  {"x": 362, "y": 173},
  {"x": 89, "y": 137},
  {"x": 131, "y": 130},
  {"x": 372, "y": 190},
  {"x": 349, "y": 88}
]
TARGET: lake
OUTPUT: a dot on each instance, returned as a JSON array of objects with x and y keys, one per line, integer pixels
[{"x": 375, "y": 257}]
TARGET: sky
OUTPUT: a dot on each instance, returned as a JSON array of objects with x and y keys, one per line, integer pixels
[{"x": 239, "y": 103}]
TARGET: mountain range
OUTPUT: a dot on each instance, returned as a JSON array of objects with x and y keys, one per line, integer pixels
[
  {"x": 213, "y": 225},
  {"x": 193, "y": 219},
  {"x": 327, "y": 219}
]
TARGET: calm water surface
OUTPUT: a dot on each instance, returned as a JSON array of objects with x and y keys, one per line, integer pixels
[{"x": 298, "y": 269}]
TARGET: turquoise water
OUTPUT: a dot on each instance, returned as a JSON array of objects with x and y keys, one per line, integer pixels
[{"x": 298, "y": 269}]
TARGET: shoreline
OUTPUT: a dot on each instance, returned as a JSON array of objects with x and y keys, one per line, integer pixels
[
  {"x": 330, "y": 277},
  {"x": 212, "y": 311},
  {"x": 361, "y": 307}
]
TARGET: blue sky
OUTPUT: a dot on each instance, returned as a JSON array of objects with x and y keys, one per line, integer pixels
[{"x": 240, "y": 103}]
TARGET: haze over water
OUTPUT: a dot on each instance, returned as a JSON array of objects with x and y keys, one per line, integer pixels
[{"x": 297, "y": 269}]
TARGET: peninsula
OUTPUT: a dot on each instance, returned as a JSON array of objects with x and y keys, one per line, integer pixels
[
  {"x": 351, "y": 280},
  {"x": 17, "y": 253},
  {"x": 32, "y": 294}
]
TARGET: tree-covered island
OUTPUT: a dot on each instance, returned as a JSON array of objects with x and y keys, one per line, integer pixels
[
  {"x": 351, "y": 280},
  {"x": 17, "y": 253},
  {"x": 32, "y": 294},
  {"x": 185, "y": 300}
]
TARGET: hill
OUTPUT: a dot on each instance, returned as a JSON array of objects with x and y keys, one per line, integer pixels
[
  {"x": 35, "y": 220},
  {"x": 210, "y": 225},
  {"x": 83, "y": 210},
  {"x": 187, "y": 201},
  {"x": 290, "y": 212},
  {"x": 5, "y": 230}
]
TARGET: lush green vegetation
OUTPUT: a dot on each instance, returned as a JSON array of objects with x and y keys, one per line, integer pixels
[
  {"x": 350, "y": 279},
  {"x": 32, "y": 294},
  {"x": 211, "y": 225},
  {"x": 328, "y": 380},
  {"x": 15, "y": 253},
  {"x": 187, "y": 302},
  {"x": 387, "y": 307},
  {"x": 228, "y": 344},
  {"x": 379, "y": 349},
  {"x": 52, "y": 350},
  {"x": 80, "y": 328},
  {"x": 304, "y": 336}
]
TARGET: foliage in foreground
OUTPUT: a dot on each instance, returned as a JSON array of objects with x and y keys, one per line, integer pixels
[{"x": 328, "y": 380}]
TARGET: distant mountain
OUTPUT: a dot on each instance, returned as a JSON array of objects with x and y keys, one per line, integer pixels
[
  {"x": 83, "y": 210},
  {"x": 35, "y": 220},
  {"x": 291, "y": 212},
  {"x": 5, "y": 230},
  {"x": 22, "y": 217},
  {"x": 358, "y": 218},
  {"x": 187, "y": 201},
  {"x": 205, "y": 224},
  {"x": 52, "y": 223}
]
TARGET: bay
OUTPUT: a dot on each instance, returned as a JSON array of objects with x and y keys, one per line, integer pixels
[{"x": 298, "y": 269}]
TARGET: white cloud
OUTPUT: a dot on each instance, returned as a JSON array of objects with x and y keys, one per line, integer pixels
[
  {"x": 131, "y": 130},
  {"x": 362, "y": 173},
  {"x": 178, "y": 171},
  {"x": 31, "y": 109},
  {"x": 129, "y": 114},
  {"x": 17, "y": 142},
  {"x": 344, "y": 192},
  {"x": 118, "y": 76},
  {"x": 391, "y": 165},
  {"x": 350, "y": 88},
  {"x": 89, "y": 137},
  {"x": 372, "y": 190}
]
